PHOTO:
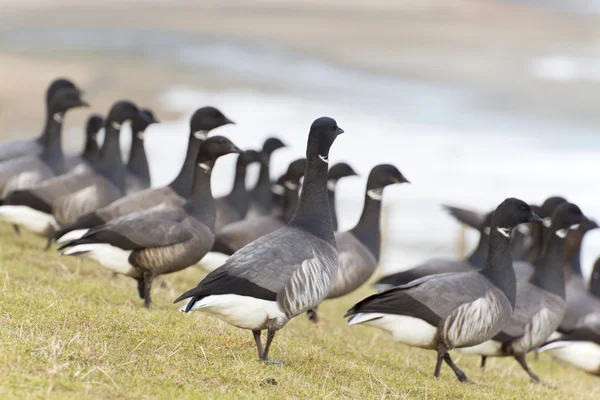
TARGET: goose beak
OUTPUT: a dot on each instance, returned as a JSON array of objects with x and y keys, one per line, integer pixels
[
  {"x": 535, "y": 218},
  {"x": 401, "y": 180},
  {"x": 340, "y": 131},
  {"x": 235, "y": 149},
  {"x": 228, "y": 121}
]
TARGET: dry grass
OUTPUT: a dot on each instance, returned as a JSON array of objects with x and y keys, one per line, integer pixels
[{"x": 68, "y": 331}]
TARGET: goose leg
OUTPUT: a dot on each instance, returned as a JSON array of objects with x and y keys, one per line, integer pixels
[
  {"x": 523, "y": 363},
  {"x": 259, "y": 348},
  {"x": 312, "y": 315},
  {"x": 483, "y": 360},
  {"x": 48, "y": 244},
  {"x": 17, "y": 230},
  {"x": 141, "y": 288},
  {"x": 148, "y": 284},
  {"x": 265, "y": 355},
  {"x": 459, "y": 374},
  {"x": 438, "y": 364}
]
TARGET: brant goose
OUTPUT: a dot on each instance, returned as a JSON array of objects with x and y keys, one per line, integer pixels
[
  {"x": 202, "y": 122},
  {"x": 540, "y": 303},
  {"x": 233, "y": 207},
  {"x": 336, "y": 172},
  {"x": 261, "y": 196},
  {"x": 91, "y": 151},
  {"x": 284, "y": 273},
  {"x": 595, "y": 279},
  {"x": 359, "y": 247},
  {"x": 29, "y": 170},
  {"x": 19, "y": 148},
  {"x": 138, "y": 172},
  {"x": 42, "y": 209},
  {"x": 538, "y": 231},
  {"x": 446, "y": 311},
  {"x": 237, "y": 235},
  {"x": 146, "y": 244}
]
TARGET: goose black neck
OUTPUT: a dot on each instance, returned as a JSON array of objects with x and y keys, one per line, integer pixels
[
  {"x": 479, "y": 255},
  {"x": 238, "y": 197},
  {"x": 498, "y": 265},
  {"x": 535, "y": 251},
  {"x": 52, "y": 153},
  {"x": 312, "y": 213},
  {"x": 549, "y": 269},
  {"x": 91, "y": 150},
  {"x": 201, "y": 204},
  {"x": 110, "y": 164},
  {"x": 595, "y": 284},
  {"x": 182, "y": 184},
  {"x": 332, "y": 211},
  {"x": 367, "y": 230},
  {"x": 290, "y": 202},
  {"x": 137, "y": 163},
  {"x": 261, "y": 194}
]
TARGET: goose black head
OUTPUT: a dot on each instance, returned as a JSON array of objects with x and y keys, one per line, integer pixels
[
  {"x": 566, "y": 216},
  {"x": 248, "y": 157},
  {"x": 595, "y": 279},
  {"x": 383, "y": 175},
  {"x": 122, "y": 111},
  {"x": 323, "y": 133},
  {"x": 142, "y": 121},
  {"x": 56, "y": 85},
  {"x": 337, "y": 172},
  {"x": 272, "y": 144},
  {"x": 94, "y": 123},
  {"x": 510, "y": 213},
  {"x": 548, "y": 208},
  {"x": 213, "y": 148},
  {"x": 66, "y": 99},
  {"x": 294, "y": 173},
  {"x": 206, "y": 119}
]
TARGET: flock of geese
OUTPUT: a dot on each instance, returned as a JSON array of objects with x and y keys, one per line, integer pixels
[{"x": 521, "y": 289}]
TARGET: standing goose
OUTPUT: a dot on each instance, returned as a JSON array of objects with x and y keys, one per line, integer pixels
[
  {"x": 285, "y": 273},
  {"x": 538, "y": 232},
  {"x": 146, "y": 244},
  {"x": 336, "y": 172},
  {"x": 446, "y": 311},
  {"x": 262, "y": 199},
  {"x": 203, "y": 121},
  {"x": 540, "y": 303},
  {"x": 233, "y": 207},
  {"x": 359, "y": 248},
  {"x": 138, "y": 171},
  {"x": 237, "y": 235},
  {"x": 91, "y": 151},
  {"x": 29, "y": 170},
  {"x": 19, "y": 148},
  {"x": 42, "y": 209}
]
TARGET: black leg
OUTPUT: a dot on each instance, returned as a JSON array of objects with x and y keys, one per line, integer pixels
[
  {"x": 459, "y": 374},
  {"x": 438, "y": 364},
  {"x": 312, "y": 315},
  {"x": 521, "y": 360},
  {"x": 148, "y": 285},
  {"x": 141, "y": 288},
  {"x": 483, "y": 360},
  {"x": 17, "y": 230},
  {"x": 259, "y": 348},
  {"x": 48, "y": 244},
  {"x": 265, "y": 356}
]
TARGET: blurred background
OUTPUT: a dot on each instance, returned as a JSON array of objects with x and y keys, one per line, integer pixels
[{"x": 473, "y": 100}]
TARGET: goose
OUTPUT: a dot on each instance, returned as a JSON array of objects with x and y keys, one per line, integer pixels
[
  {"x": 42, "y": 209},
  {"x": 202, "y": 122},
  {"x": 285, "y": 273},
  {"x": 540, "y": 302},
  {"x": 359, "y": 248},
  {"x": 233, "y": 207},
  {"x": 336, "y": 172},
  {"x": 26, "y": 171},
  {"x": 572, "y": 260},
  {"x": 260, "y": 195},
  {"x": 452, "y": 310},
  {"x": 237, "y": 235},
  {"x": 595, "y": 279},
  {"x": 538, "y": 231},
  {"x": 162, "y": 240},
  {"x": 91, "y": 152},
  {"x": 138, "y": 171},
  {"x": 32, "y": 147}
]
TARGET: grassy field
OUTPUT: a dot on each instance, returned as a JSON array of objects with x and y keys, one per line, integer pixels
[{"x": 68, "y": 331}]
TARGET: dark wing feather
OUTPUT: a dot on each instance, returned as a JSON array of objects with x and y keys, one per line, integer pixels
[
  {"x": 27, "y": 198},
  {"x": 431, "y": 267},
  {"x": 239, "y": 234},
  {"x": 471, "y": 218}
]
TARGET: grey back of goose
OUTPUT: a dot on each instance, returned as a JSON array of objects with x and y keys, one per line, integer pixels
[
  {"x": 445, "y": 311},
  {"x": 138, "y": 170}
]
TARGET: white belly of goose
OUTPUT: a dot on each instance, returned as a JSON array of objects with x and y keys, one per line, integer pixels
[
  {"x": 34, "y": 220},
  {"x": 408, "y": 330},
  {"x": 73, "y": 235},
  {"x": 583, "y": 355},
  {"x": 242, "y": 311},
  {"x": 490, "y": 348},
  {"x": 211, "y": 261},
  {"x": 110, "y": 257}
]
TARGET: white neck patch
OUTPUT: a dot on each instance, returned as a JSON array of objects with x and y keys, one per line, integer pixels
[
  {"x": 325, "y": 159},
  {"x": 547, "y": 222},
  {"x": 504, "y": 231},
  {"x": 58, "y": 117},
  {"x": 204, "y": 166},
  {"x": 375, "y": 194},
  {"x": 290, "y": 185},
  {"x": 331, "y": 184},
  {"x": 201, "y": 135},
  {"x": 116, "y": 125},
  {"x": 277, "y": 189},
  {"x": 561, "y": 233},
  {"x": 574, "y": 227}
]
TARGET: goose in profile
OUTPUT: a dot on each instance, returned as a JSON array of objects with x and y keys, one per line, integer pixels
[
  {"x": 233, "y": 207},
  {"x": 202, "y": 122},
  {"x": 260, "y": 195},
  {"x": 453, "y": 310},
  {"x": 540, "y": 302},
  {"x": 359, "y": 248},
  {"x": 336, "y": 172},
  {"x": 538, "y": 232},
  {"x": 285, "y": 273},
  {"x": 237, "y": 235},
  {"x": 91, "y": 151},
  {"x": 162, "y": 240},
  {"x": 29, "y": 170},
  {"x": 43, "y": 208},
  {"x": 32, "y": 147},
  {"x": 138, "y": 171}
]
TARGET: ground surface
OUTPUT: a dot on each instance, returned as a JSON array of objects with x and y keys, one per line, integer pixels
[{"x": 68, "y": 331}]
